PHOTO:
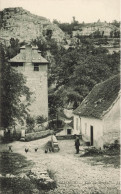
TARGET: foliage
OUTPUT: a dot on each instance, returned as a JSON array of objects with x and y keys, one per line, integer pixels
[
  {"x": 12, "y": 89},
  {"x": 112, "y": 146},
  {"x": 41, "y": 119},
  {"x": 67, "y": 27},
  {"x": 116, "y": 23},
  {"x": 91, "y": 151},
  {"x": 109, "y": 149},
  {"x": 30, "y": 123},
  {"x": 108, "y": 156},
  {"x": 73, "y": 72},
  {"x": 78, "y": 69},
  {"x": 55, "y": 124},
  {"x": 13, "y": 163},
  {"x": 17, "y": 185},
  {"x": 14, "y": 48}
]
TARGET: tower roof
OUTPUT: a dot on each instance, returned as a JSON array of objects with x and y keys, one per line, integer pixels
[{"x": 29, "y": 53}]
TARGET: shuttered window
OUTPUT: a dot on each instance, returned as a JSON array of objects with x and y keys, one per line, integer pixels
[{"x": 36, "y": 67}]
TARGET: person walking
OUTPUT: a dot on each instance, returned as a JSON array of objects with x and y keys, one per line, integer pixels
[{"x": 77, "y": 144}]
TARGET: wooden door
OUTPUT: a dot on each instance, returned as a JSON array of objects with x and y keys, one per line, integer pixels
[{"x": 91, "y": 135}]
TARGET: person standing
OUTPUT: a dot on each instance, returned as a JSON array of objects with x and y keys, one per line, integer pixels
[{"x": 77, "y": 144}]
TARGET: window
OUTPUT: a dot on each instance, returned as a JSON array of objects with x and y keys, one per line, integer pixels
[
  {"x": 14, "y": 64},
  {"x": 68, "y": 131},
  {"x": 36, "y": 67},
  {"x": 20, "y": 64}
]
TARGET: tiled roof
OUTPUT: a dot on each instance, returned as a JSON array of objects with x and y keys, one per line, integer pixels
[
  {"x": 34, "y": 57},
  {"x": 100, "y": 99}
]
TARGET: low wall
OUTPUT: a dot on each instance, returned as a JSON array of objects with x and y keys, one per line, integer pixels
[
  {"x": 64, "y": 137},
  {"x": 38, "y": 135}
]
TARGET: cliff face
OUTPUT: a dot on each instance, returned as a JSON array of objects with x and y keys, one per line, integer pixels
[
  {"x": 21, "y": 24},
  {"x": 103, "y": 27}
]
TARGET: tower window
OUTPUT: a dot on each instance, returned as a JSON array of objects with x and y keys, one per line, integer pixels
[
  {"x": 17, "y": 64},
  {"x": 36, "y": 67}
]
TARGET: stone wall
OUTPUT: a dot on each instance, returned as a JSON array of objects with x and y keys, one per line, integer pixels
[
  {"x": 38, "y": 135},
  {"x": 65, "y": 137}
]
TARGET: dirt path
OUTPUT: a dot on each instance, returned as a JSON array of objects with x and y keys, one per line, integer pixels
[{"x": 74, "y": 174}]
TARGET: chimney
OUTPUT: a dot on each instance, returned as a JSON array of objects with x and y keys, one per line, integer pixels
[{"x": 28, "y": 51}]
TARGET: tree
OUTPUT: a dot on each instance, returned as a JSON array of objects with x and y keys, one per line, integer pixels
[
  {"x": 14, "y": 48},
  {"x": 12, "y": 88},
  {"x": 77, "y": 70},
  {"x": 41, "y": 119},
  {"x": 116, "y": 23}
]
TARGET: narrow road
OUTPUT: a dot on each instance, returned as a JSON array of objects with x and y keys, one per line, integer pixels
[{"x": 74, "y": 174}]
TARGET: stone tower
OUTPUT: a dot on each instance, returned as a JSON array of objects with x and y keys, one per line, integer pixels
[{"x": 33, "y": 66}]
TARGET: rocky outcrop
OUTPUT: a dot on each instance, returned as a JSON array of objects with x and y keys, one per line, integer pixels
[
  {"x": 21, "y": 24},
  {"x": 104, "y": 28}
]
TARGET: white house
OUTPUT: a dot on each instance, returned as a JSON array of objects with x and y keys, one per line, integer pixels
[
  {"x": 98, "y": 116},
  {"x": 67, "y": 130},
  {"x": 67, "y": 117}
]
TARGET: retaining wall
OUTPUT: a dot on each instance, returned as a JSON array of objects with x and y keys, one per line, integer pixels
[
  {"x": 37, "y": 135},
  {"x": 64, "y": 137}
]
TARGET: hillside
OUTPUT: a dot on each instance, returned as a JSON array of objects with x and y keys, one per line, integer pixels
[
  {"x": 101, "y": 29},
  {"x": 21, "y": 24}
]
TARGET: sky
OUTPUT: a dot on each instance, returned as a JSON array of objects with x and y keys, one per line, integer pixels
[{"x": 64, "y": 10}]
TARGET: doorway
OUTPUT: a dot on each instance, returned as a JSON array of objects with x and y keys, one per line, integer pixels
[
  {"x": 68, "y": 131},
  {"x": 91, "y": 135}
]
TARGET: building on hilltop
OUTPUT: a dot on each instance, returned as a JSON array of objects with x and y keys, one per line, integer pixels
[
  {"x": 33, "y": 66},
  {"x": 98, "y": 116}
]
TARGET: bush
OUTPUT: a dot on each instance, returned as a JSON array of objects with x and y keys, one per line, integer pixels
[
  {"x": 30, "y": 124},
  {"x": 41, "y": 119},
  {"x": 112, "y": 146},
  {"x": 16, "y": 135},
  {"x": 92, "y": 151}
]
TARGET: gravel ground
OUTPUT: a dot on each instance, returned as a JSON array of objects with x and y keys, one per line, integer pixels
[{"x": 74, "y": 174}]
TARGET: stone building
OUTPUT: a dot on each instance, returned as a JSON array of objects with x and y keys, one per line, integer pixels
[
  {"x": 33, "y": 66},
  {"x": 98, "y": 116}
]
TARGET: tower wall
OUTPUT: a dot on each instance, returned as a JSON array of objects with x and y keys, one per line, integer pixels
[
  {"x": 36, "y": 80},
  {"x": 37, "y": 83}
]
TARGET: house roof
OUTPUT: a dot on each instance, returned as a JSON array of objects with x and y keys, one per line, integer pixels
[
  {"x": 34, "y": 56},
  {"x": 100, "y": 99},
  {"x": 63, "y": 115}
]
